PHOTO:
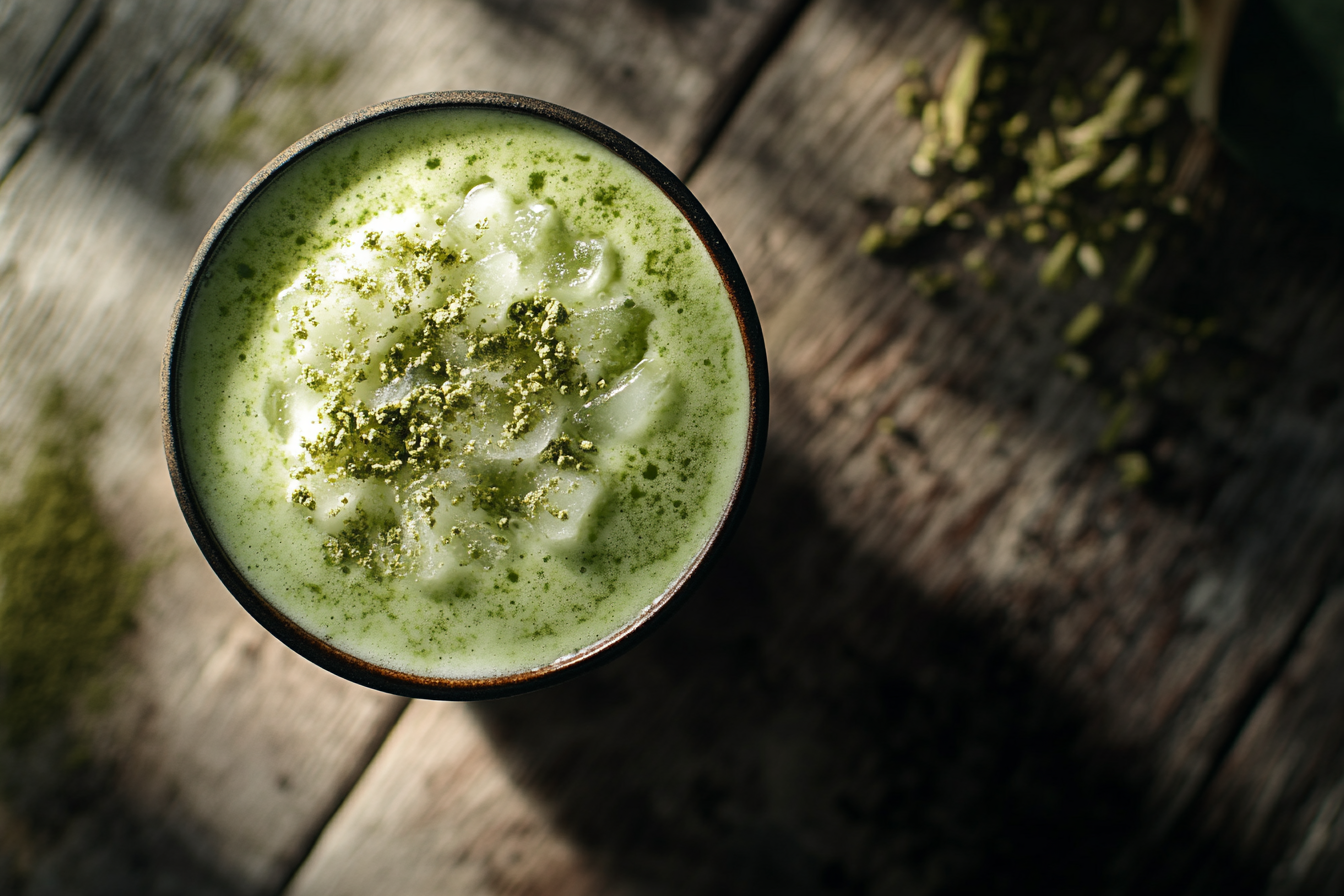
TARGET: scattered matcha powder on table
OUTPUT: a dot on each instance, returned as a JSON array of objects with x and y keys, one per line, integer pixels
[{"x": 67, "y": 588}]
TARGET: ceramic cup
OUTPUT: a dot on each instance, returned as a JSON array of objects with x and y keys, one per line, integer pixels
[{"x": 230, "y": 568}]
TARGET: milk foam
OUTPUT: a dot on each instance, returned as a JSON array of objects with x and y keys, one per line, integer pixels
[{"x": 536, "y": 210}]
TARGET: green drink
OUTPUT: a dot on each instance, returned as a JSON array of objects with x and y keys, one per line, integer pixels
[{"x": 459, "y": 397}]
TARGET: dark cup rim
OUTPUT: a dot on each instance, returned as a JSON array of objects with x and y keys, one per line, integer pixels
[{"x": 372, "y": 675}]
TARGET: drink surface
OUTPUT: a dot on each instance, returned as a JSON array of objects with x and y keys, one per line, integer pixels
[{"x": 462, "y": 393}]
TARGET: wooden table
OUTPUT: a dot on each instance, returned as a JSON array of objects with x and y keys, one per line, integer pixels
[{"x": 951, "y": 653}]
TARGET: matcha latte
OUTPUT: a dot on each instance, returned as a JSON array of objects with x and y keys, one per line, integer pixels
[{"x": 462, "y": 391}]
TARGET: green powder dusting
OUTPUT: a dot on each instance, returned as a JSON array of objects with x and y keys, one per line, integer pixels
[
  {"x": 66, "y": 586},
  {"x": 466, "y": 374}
]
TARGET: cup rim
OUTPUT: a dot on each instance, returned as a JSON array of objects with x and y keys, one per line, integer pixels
[{"x": 372, "y": 675}]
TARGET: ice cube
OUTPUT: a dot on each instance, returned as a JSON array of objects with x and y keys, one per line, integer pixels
[
  {"x": 581, "y": 270},
  {"x": 302, "y": 418},
  {"x": 439, "y": 564},
  {"x": 645, "y": 394},
  {"x": 277, "y": 409},
  {"x": 611, "y": 339},
  {"x": 439, "y": 557},
  {"x": 339, "y": 502},
  {"x": 536, "y": 229},
  {"x": 400, "y": 387},
  {"x": 498, "y": 282},
  {"x": 485, "y": 218}
]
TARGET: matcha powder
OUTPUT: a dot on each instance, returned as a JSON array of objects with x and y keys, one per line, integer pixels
[{"x": 66, "y": 587}]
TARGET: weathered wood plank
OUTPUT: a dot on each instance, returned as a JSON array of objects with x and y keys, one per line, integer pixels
[
  {"x": 263, "y": 75},
  {"x": 437, "y": 812},
  {"x": 38, "y": 42},
  {"x": 1143, "y": 628},
  {"x": 955, "y": 655},
  {"x": 1159, "y": 618},
  {"x": 28, "y": 32},
  {"x": 222, "y": 753},
  {"x": 213, "y": 724},
  {"x": 1280, "y": 794}
]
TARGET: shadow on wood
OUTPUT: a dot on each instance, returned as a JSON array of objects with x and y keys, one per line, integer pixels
[
  {"x": 809, "y": 722},
  {"x": 64, "y": 828}
]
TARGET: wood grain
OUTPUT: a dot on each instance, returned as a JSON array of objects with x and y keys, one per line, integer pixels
[
  {"x": 1158, "y": 619},
  {"x": 233, "y": 84},
  {"x": 28, "y": 39},
  {"x": 222, "y": 754},
  {"x": 214, "y": 725},
  {"x": 1280, "y": 794},
  {"x": 437, "y": 812},
  {"x": 1103, "y": 648},
  {"x": 948, "y": 653},
  {"x": 37, "y": 44}
]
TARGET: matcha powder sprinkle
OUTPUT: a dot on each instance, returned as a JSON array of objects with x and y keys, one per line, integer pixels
[{"x": 66, "y": 587}]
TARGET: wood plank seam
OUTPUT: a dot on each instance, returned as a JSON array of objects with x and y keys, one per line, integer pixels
[
  {"x": 376, "y": 745},
  {"x": 1185, "y": 817},
  {"x": 1149, "y": 613},
  {"x": 717, "y": 122},
  {"x": 717, "y": 119},
  {"x": 15, "y": 137},
  {"x": 71, "y": 39}
]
